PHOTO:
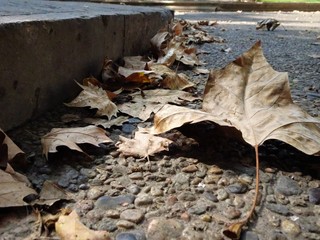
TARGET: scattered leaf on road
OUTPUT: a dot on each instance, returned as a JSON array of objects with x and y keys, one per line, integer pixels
[
  {"x": 71, "y": 137},
  {"x": 69, "y": 227},
  {"x": 142, "y": 145},
  {"x": 150, "y": 101},
  {"x": 107, "y": 123},
  {"x": 94, "y": 97}
]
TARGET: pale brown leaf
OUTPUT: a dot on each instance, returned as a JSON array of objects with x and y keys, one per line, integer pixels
[
  {"x": 255, "y": 99},
  {"x": 69, "y": 227},
  {"x": 142, "y": 145},
  {"x": 94, "y": 97},
  {"x": 107, "y": 123},
  {"x": 13, "y": 189},
  {"x": 71, "y": 137},
  {"x": 171, "y": 79},
  {"x": 51, "y": 193},
  {"x": 150, "y": 101}
]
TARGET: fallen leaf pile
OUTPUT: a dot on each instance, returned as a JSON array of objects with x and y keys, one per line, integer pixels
[{"x": 247, "y": 95}]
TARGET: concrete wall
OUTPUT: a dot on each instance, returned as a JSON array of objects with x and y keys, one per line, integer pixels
[{"x": 43, "y": 53}]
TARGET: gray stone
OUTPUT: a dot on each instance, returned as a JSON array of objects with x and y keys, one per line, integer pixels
[
  {"x": 161, "y": 228},
  {"x": 232, "y": 213},
  {"x": 136, "y": 176},
  {"x": 198, "y": 209},
  {"x": 143, "y": 199},
  {"x": 156, "y": 191},
  {"x": 278, "y": 208},
  {"x": 278, "y": 236},
  {"x": 237, "y": 188},
  {"x": 287, "y": 186},
  {"x": 63, "y": 182},
  {"x": 125, "y": 224},
  {"x": 249, "y": 235},
  {"x": 187, "y": 196},
  {"x": 94, "y": 193},
  {"x": 72, "y": 174},
  {"x": 132, "y": 235},
  {"x": 134, "y": 189},
  {"x": 106, "y": 202},
  {"x": 210, "y": 196},
  {"x": 222, "y": 194},
  {"x": 107, "y": 225},
  {"x": 73, "y": 188},
  {"x": 89, "y": 173},
  {"x": 132, "y": 215},
  {"x": 314, "y": 195}
]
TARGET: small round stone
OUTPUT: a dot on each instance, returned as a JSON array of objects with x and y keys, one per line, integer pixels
[
  {"x": 237, "y": 188},
  {"x": 73, "y": 188},
  {"x": 63, "y": 182},
  {"x": 190, "y": 169},
  {"x": 94, "y": 193},
  {"x": 291, "y": 228},
  {"x": 84, "y": 186},
  {"x": 136, "y": 176},
  {"x": 106, "y": 202},
  {"x": 232, "y": 213},
  {"x": 249, "y": 235},
  {"x": 161, "y": 228},
  {"x": 222, "y": 194},
  {"x": 156, "y": 191},
  {"x": 314, "y": 195},
  {"x": 143, "y": 199},
  {"x": 287, "y": 186},
  {"x": 214, "y": 170},
  {"x": 132, "y": 215},
  {"x": 112, "y": 213},
  {"x": 134, "y": 189},
  {"x": 125, "y": 224}
]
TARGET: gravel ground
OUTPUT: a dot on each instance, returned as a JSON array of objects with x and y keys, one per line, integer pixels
[{"x": 189, "y": 193}]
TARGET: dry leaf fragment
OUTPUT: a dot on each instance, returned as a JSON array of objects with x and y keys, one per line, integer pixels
[
  {"x": 71, "y": 137},
  {"x": 143, "y": 145},
  {"x": 171, "y": 79},
  {"x": 94, "y": 97},
  {"x": 141, "y": 106},
  {"x": 51, "y": 193},
  {"x": 159, "y": 42},
  {"x": 107, "y": 123},
  {"x": 10, "y": 152},
  {"x": 69, "y": 227},
  {"x": 13, "y": 189}
]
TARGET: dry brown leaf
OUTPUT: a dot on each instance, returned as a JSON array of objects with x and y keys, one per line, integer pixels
[
  {"x": 142, "y": 145},
  {"x": 51, "y": 193},
  {"x": 171, "y": 79},
  {"x": 69, "y": 227},
  {"x": 201, "y": 71},
  {"x": 13, "y": 189},
  {"x": 136, "y": 62},
  {"x": 159, "y": 42},
  {"x": 94, "y": 97},
  {"x": 150, "y": 101},
  {"x": 255, "y": 99},
  {"x": 10, "y": 152},
  {"x": 107, "y": 123},
  {"x": 136, "y": 76},
  {"x": 71, "y": 137}
]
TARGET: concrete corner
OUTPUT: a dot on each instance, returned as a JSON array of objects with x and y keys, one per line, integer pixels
[{"x": 46, "y": 45}]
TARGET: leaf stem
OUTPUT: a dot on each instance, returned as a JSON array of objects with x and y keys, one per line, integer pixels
[{"x": 234, "y": 230}]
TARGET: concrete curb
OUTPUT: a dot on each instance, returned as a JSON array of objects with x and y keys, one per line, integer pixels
[
  {"x": 46, "y": 45},
  {"x": 209, "y": 6}
]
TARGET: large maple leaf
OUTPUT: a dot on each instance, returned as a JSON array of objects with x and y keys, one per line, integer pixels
[{"x": 250, "y": 95}]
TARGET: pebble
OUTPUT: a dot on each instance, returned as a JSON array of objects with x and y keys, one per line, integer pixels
[
  {"x": 156, "y": 191},
  {"x": 314, "y": 195},
  {"x": 291, "y": 228},
  {"x": 134, "y": 189},
  {"x": 107, "y": 225},
  {"x": 214, "y": 170},
  {"x": 112, "y": 213},
  {"x": 106, "y": 202},
  {"x": 222, "y": 194},
  {"x": 232, "y": 213},
  {"x": 249, "y": 235},
  {"x": 72, "y": 174},
  {"x": 181, "y": 180},
  {"x": 125, "y": 224},
  {"x": 133, "y": 235},
  {"x": 278, "y": 208},
  {"x": 186, "y": 196},
  {"x": 287, "y": 186},
  {"x": 94, "y": 193},
  {"x": 84, "y": 186},
  {"x": 198, "y": 209},
  {"x": 210, "y": 196},
  {"x": 246, "y": 179},
  {"x": 190, "y": 169},
  {"x": 73, "y": 188},
  {"x": 278, "y": 236},
  {"x": 238, "y": 202},
  {"x": 88, "y": 172},
  {"x": 132, "y": 215},
  {"x": 143, "y": 199},
  {"x": 63, "y": 182},
  {"x": 136, "y": 176},
  {"x": 161, "y": 228},
  {"x": 237, "y": 188}
]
